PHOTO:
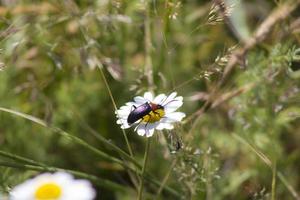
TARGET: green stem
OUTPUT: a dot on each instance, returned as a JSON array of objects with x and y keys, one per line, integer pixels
[
  {"x": 19, "y": 158},
  {"x": 165, "y": 179},
  {"x": 110, "y": 144},
  {"x": 115, "y": 106},
  {"x": 268, "y": 162},
  {"x": 70, "y": 137},
  {"x": 31, "y": 118},
  {"x": 273, "y": 181},
  {"x": 148, "y": 61},
  {"x": 132, "y": 177},
  {"x": 86, "y": 38},
  {"x": 140, "y": 192},
  {"x": 288, "y": 186},
  {"x": 96, "y": 180}
]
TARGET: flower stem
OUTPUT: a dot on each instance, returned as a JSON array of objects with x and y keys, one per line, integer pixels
[
  {"x": 115, "y": 107},
  {"x": 165, "y": 179},
  {"x": 42, "y": 123},
  {"x": 148, "y": 61},
  {"x": 96, "y": 180},
  {"x": 140, "y": 192},
  {"x": 273, "y": 192}
]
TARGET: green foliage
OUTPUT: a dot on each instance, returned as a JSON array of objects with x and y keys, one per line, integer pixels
[{"x": 50, "y": 54}]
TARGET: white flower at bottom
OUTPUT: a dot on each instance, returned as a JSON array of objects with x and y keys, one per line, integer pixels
[
  {"x": 57, "y": 186},
  {"x": 158, "y": 118}
]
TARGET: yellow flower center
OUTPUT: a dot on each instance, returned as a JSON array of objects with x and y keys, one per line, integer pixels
[
  {"x": 48, "y": 191},
  {"x": 154, "y": 116}
]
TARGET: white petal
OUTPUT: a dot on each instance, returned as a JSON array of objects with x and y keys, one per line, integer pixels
[
  {"x": 175, "y": 116},
  {"x": 79, "y": 189},
  {"x": 123, "y": 123},
  {"x": 62, "y": 178},
  {"x": 25, "y": 190},
  {"x": 172, "y": 106},
  {"x": 125, "y": 126},
  {"x": 170, "y": 98},
  {"x": 159, "y": 99},
  {"x": 131, "y": 104},
  {"x": 179, "y": 98},
  {"x": 71, "y": 188},
  {"x": 141, "y": 130},
  {"x": 162, "y": 126},
  {"x": 127, "y": 107},
  {"x": 125, "y": 110},
  {"x": 149, "y": 132},
  {"x": 148, "y": 96},
  {"x": 119, "y": 121},
  {"x": 168, "y": 126},
  {"x": 140, "y": 100},
  {"x": 123, "y": 117},
  {"x": 122, "y": 112},
  {"x": 146, "y": 129},
  {"x": 150, "y": 129}
]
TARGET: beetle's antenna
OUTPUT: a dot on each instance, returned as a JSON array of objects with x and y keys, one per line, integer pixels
[
  {"x": 161, "y": 103},
  {"x": 169, "y": 102}
]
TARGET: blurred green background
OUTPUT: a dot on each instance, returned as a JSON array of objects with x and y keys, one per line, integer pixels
[{"x": 49, "y": 51}]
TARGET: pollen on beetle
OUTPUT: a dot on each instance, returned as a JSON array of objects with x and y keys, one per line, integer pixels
[{"x": 154, "y": 116}]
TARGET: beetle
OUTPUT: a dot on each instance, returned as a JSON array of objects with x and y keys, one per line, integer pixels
[{"x": 141, "y": 111}]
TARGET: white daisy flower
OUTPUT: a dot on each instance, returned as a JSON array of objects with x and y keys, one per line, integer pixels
[
  {"x": 148, "y": 113},
  {"x": 57, "y": 186}
]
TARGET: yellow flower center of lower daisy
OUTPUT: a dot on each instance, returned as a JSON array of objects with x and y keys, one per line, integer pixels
[
  {"x": 154, "y": 116},
  {"x": 48, "y": 191}
]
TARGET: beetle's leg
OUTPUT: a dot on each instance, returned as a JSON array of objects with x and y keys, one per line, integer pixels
[
  {"x": 143, "y": 118},
  {"x": 148, "y": 120},
  {"x": 139, "y": 123},
  {"x": 133, "y": 107},
  {"x": 146, "y": 124},
  {"x": 156, "y": 113}
]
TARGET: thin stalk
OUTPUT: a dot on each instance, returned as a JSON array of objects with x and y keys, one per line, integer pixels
[
  {"x": 268, "y": 162},
  {"x": 31, "y": 118},
  {"x": 165, "y": 179},
  {"x": 69, "y": 136},
  {"x": 109, "y": 144},
  {"x": 134, "y": 181},
  {"x": 91, "y": 148},
  {"x": 115, "y": 106},
  {"x": 157, "y": 183},
  {"x": 140, "y": 192},
  {"x": 148, "y": 45},
  {"x": 122, "y": 153},
  {"x": 288, "y": 186},
  {"x": 207, "y": 164},
  {"x": 273, "y": 181},
  {"x": 20, "y": 158},
  {"x": 262, "y": 156},
  {"x": 99, "y": 65},
  {"x": 96, "y": 180}
]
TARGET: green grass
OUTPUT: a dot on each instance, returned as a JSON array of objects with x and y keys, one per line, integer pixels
[{"x": 66, "y": 66}]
